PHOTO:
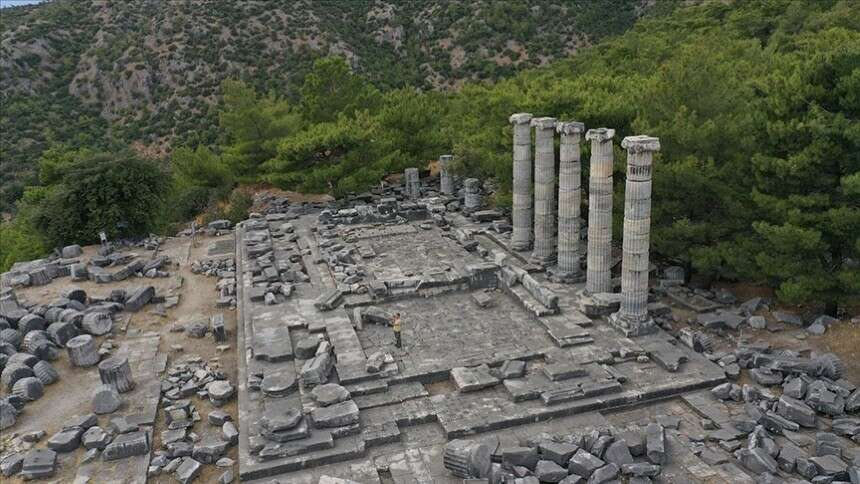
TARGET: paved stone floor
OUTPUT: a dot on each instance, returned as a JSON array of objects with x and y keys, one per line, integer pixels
[
  {"x": 423, "y": 251},
  {"x": 450, "y": 330}
]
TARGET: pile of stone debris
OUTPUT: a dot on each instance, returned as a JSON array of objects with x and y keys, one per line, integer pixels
[
  {"x": 289, "y": 431},
  {"x": 184, "y": 452},
  {"x": 273, "y": 280},
  {"x": 121, "y": 439},
  {"x": 225, "y": 270},
  {"x": 814, "y": 396},
  {"x": 634, "y": 454},
  {"x": 31, "y": 336},
  {"x": 199, "y": 327},
  {"x": 214, "y": 267},
  {"x": 719, "y": 310},
  {"x": 69, "y": 263},
  {"x": 213, "y": 228}
]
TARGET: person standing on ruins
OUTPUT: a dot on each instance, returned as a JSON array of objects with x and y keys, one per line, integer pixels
[{"x": 395, "y": 325}]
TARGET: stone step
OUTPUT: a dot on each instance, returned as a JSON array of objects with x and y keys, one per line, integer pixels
[
  {"x": 380, "y": 434},
  {"x": 344, "y": 450},
  {"x": 580, "y": 391},
  {"x": 395, "y": 394},
  {"x": 527, "y": 301}
]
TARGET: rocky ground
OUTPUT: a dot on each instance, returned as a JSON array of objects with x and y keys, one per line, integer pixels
[{"x": 159, "y": 322}]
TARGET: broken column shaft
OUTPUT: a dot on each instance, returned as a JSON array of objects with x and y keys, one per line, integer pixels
[
  {"x": 544, "y": 244},
  {"x": 599, "y": 263},
  {"x": 569, "y": 200},
  {"x": 115, "y": 371},
  {"x": 472, "y": 198},
  {"x": 412, "y": 181},
  {"x": 633, "y": 317},
  {"x": 82, "y": 351},
  {"x": 446, "y": 179},
  {"x": 521, "y": 238}
]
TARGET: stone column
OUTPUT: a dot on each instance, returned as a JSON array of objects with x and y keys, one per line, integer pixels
[
  {"x": 412, "y": 180},
  {"x": 544, "y": 244},
  {"x": 82, "y": 351},
  {"x": 446, "y": 179},
  {"x": 569, "y": 200},
  {"x": 632, "y": 317},
  {"x": 115, "y": 371},
  {"x": 599, "y": 263},
  {"x": 521, "y": 238},
  {"x": 472, "y": 199}
]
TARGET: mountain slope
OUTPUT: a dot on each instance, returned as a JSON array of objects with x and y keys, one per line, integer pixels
[{"x": 148, "y": 72}]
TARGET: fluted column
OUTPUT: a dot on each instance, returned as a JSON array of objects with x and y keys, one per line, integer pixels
[
  {"x": 599, "y": 261},
  {"x": 446, "y": 179},
  {"x": 569, "y": 200},
  {"x": 521, "y": 238},
  {"x": 633, "y": 317},
  {"x": 472, "y": 198},
  {"x": 412, "y": 183},
  {"x": 544, "y": 244}
]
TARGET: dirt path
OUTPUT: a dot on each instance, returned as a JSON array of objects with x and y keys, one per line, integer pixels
[{"x": 197, "y": 302}]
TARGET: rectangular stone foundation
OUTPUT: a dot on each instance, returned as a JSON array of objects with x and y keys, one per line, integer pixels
[{"x": 443, "y": 328}]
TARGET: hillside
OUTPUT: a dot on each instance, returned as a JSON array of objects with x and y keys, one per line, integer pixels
[{"x": 147, "y": 73}]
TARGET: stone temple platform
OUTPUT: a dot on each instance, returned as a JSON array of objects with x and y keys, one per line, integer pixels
[{"x": 491, "y": 349}]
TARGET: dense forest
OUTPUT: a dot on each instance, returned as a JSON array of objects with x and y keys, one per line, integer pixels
[
  {"x": 147, "y": 74},
  {"x": 756, "y": 104}
]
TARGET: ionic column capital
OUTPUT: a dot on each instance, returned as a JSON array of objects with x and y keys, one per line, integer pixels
[
  {"x": 570, "y": 128},
  {"x": 544, "y": 123},
  {"x": 640, "y": 144},
  {"x": 600, "y": 135},
  {"x": 520, "y": 118}
]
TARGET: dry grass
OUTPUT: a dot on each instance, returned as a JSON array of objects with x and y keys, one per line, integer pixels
[{"x": 843, "y": 339}]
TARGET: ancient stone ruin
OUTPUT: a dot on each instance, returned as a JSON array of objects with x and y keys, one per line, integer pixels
[{"x": 533, "y": 349}]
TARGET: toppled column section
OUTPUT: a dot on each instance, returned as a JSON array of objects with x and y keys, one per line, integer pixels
[
  {"x": 467, "y": 458},
  {"x": 521, "y": 238},
  {"x": 632, "y": 318},
  {"x": 544, "y": 246},
  {"x": 598, "y": 276},
  {"x": 446, "y": 179},
  {"x": 412, "y": 183},
  {"x": 82, "y": 351},
  {"x": 115, "y": 371},
  {"x": 569, "y": 201}
]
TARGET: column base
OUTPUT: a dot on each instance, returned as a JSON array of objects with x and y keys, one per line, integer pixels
[
  {"x": 597, "y": 305},
  {"x": 544, "y": 262},
  {"x": 565, "y": 277},
  {"x": 521, "y": 246},
  {"x": 632, "y": 327}
]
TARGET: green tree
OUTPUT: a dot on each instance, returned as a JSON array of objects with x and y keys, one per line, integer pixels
[
  {"x": 329, "y": 157},
  {"x": 694, "y": 103},
  {"x": 120, "y": 194},
  {"x": 200, "y": 179},
  {"x": 409, "y": 128},
  {"x": 56, "y": 160},
  {"x": 807, "y": 176},
  {"x": 253, "y": 124},
  {"x": 19, "y": 241},
  {"x": 200, "y": 167},
  {"x": 331, "y": 89}
]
